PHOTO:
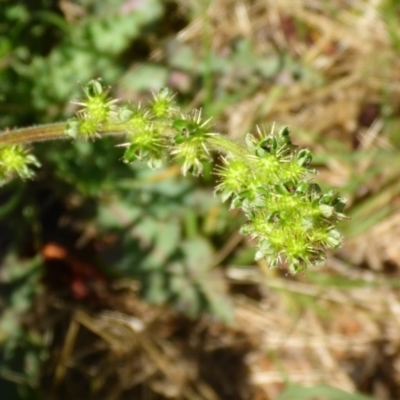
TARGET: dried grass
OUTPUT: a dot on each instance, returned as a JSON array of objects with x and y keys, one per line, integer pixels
[
  {"x": 347, "y": 109},
  {"x": 340, "y": 337},
  {"x": 142, "y": 352},
  {"x": 340, "y": 107},
  {"x": 296, "y": 331}
]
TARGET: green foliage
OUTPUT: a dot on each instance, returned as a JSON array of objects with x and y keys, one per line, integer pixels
[
  {"x": 44, "y": 52},
  {"x": 21, "y": 351},
  {"x": 164, "y": 245}
]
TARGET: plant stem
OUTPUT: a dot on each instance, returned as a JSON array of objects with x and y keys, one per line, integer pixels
[
  {"x": 55, "y": 131},
  {"x": 46, "y": 132},
  {"x": 33, "y": 134},
  {"x": 225, "y": 145}
]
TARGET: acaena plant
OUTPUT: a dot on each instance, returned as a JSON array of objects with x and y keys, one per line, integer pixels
[{"x": 291, "y": 219}]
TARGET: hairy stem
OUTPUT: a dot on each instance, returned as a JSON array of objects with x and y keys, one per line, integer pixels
[
  {"x": 55, "y": 131},
  {"x": 32, "y": 134},
  {"x": 48, "y": 132},
  {"x": 225, "y": 145}
]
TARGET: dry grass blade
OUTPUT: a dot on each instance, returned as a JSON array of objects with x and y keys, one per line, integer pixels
[{"x": 118, "y": 353}]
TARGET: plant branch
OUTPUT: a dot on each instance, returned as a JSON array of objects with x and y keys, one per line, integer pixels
[
  {"x": 32, "y": 134},
  {"x": 223, "y": 144},
  {"x": 55, "y": 131},
  {"x": 291, "y": 219}
]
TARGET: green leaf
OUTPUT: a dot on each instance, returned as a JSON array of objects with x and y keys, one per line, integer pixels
[
  {"x": 294, "y": 392},
  {"x": 146, "y": 76},
  {"x": 179, "y": 125},
  {"x": 156, "y": 292}
]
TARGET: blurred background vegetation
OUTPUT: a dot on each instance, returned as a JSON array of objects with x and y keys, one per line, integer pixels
[{"x": 122, "y": 283}]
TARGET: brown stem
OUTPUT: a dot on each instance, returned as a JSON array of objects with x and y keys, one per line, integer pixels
[
  {"x": 47, "y": 132},
  {"x": 33, "y": 134}
]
